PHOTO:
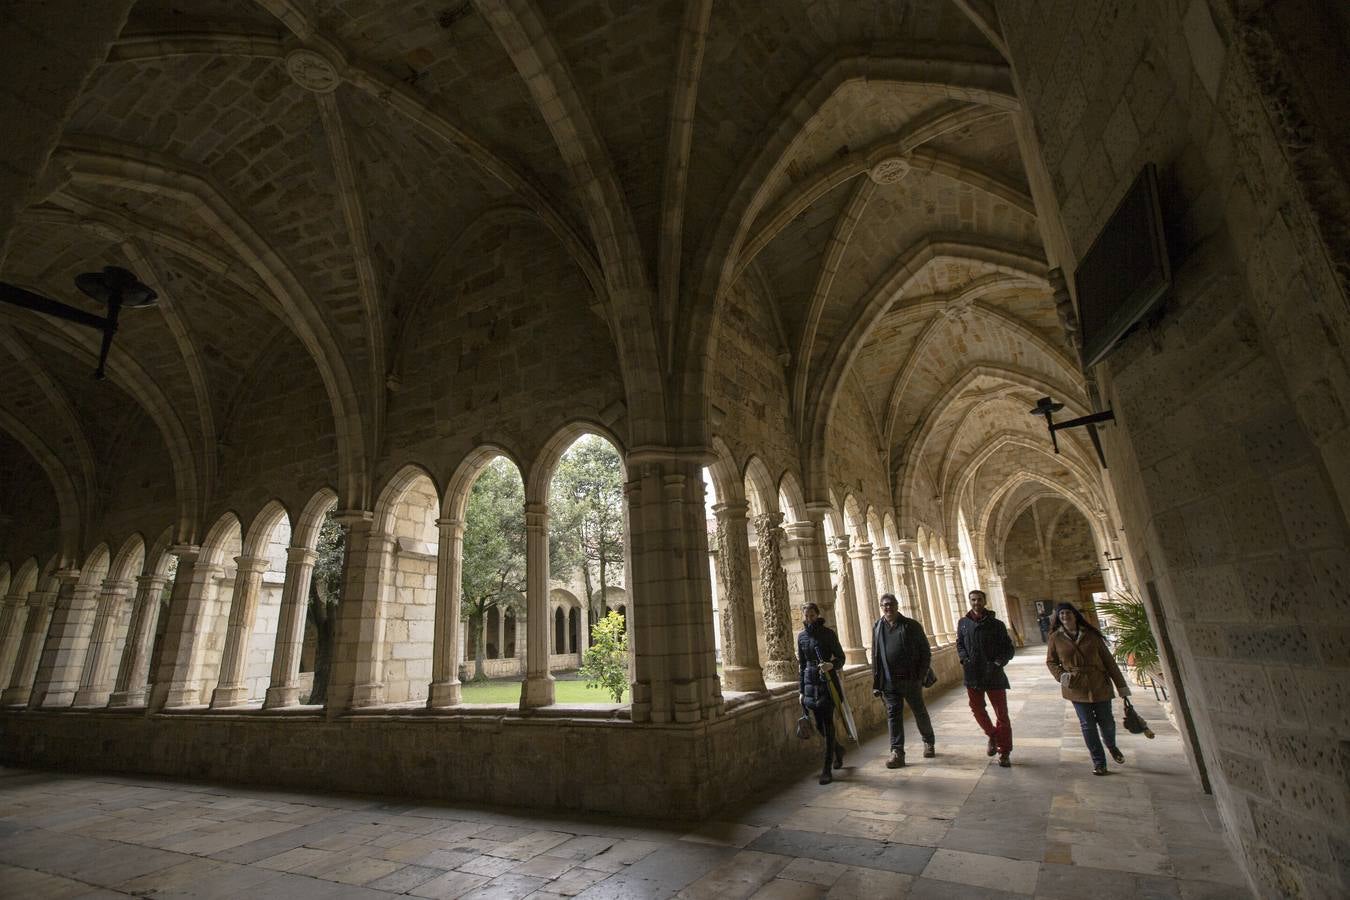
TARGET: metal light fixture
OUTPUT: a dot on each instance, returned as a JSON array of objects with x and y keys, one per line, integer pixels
[
  {"x": 114, "y": 287},
  {"x": 1047, "y": 408}
]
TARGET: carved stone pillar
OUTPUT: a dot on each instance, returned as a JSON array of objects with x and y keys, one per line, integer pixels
[
  {"x": 356, "y": 677},
  {"x": 283, "y": 688},
  {"x": 808, "y": 539},
  {"x": 865, "y": 592},
  {"x": 849, "y": 629},
  {"x": 999, "y": 600},
  {"x": 67, "y": 643},
  {"x": 445, "y": 687},
  {"x": 886, "y": 583},
  {"x": 773, "y": 591},
  {"x": 41, "y": 604},
  {"x": 175, "y": 669},
  {"x": 96, "y": 680},
  {"x": 736, "y": 612},
  {"x": 230, "y": 687},
  {"x": 670, "y": 605},
  {"x": 960, "y": 603},
  {"x": 537, "y": 688},
  {"x": 912, "y": 602},
  {"x": 939, "y": 609},
  {"x": 13, "y": 617},
  {"x": 134, "y": 670}
]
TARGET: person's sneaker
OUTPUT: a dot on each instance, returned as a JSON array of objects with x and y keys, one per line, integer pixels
[
  {"x": 838, "y": 756},
  {"x": 1099, "y": 770},
  {"x": 1116, "y": 754},
  {"x": 991, "y": 749},
  {"x": 897, "y": 760},
  {"x": 1004, "y": 761},
  {"x": 825, "y": 777},
  {"x": 929, "y": 751}
]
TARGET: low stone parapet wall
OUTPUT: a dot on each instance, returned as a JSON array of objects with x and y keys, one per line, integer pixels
[{"x": 565, "y": 759}]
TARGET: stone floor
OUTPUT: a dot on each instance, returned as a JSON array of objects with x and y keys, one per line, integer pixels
[{"x": 954, "y": 826}]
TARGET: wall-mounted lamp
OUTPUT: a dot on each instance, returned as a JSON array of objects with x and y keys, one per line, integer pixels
[
  {"x": 114, "y": 287},
  {"x": 1047, "y": 407}
]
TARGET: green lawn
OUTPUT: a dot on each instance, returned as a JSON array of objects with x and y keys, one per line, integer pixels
[{"x": 509, "y": 692}]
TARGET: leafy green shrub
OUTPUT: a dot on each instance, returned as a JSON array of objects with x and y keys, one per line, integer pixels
[
  {"x": 1130, "y": 632},
  {"x": 606, "y": 662}
]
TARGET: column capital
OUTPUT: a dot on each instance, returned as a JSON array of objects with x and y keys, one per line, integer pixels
[
  {"x": 67, "y": 576},
  {"x": 860, "y": 550},
  {"x": 841, "y": 543},
  {"x": 353, "y": 518},
  {"x": 882, "y": 552},
  {"x": 189, "y": 552},
  {"x": 448, "y": 523},
  {"x": 652, "y": 454},
  {"x": 251, "y": 565},
  {"x": 954, "y": 561},
  {"x": 731, "y": 509},
  {"x": 804, "y": 530},
  {"x": 116, "y": 586},
  {"x": 302, "y": 555},
  {"x": 151, "y": 582},
  {"x": 771, "y": 519},
  {"x": 909, "y": 545},
  {"x": 536, "y": 515}
]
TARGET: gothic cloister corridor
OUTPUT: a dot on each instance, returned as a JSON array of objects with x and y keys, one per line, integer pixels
[
  {"x": 462, "y": 400},
  {"x": 953, "y": 826}
]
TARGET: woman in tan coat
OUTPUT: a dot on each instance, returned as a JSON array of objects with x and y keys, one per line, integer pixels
[{"x": 1078, "y": 657}]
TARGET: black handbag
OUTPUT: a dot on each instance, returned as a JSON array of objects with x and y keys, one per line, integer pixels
[
  {"x": 929, "y": 678},
  {"x": 1134, "y": 723}
]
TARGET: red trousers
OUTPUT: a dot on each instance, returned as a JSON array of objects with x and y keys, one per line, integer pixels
[{"x": 1002, "y": 732}]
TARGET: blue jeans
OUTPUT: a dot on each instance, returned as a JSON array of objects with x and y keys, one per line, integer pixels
[{"x": 1091, "y": 717}]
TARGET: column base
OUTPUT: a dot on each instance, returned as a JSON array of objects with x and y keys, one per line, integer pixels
[
  {"x": 91, "y": 697},
  {"x": 536, "y": 690},
  {"x": 281, "y": 696},
  {"x": 444, "y": 693},
  {"x": 169, "y": 696},
  {"x": 780, "y": 670},
  {"x": 371, "y": 694},
  {"x": 225, "y": 697},
  {"x": 742, "y": 678},
  {"x": 124, "y": 699},
  {"x": 16, "y": 696}
]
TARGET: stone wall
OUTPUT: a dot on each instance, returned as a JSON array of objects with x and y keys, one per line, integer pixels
[
  {"x": 1229, "y": 459},
  {"x": 688, "y": 771}
]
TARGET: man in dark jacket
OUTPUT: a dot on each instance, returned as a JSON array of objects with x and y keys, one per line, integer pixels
[
  {"x": 900, "y": 659},
  {"x": 819, "y": 654},
  {"x": 983, "y": 645}
]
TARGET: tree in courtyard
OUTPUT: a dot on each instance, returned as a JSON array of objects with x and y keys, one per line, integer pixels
[
  {"x": 606, "y": 662},
  {"x": 586, "y": 518},
  {"x": 325, "y": 593},
  {"x": 494, "y": 552}
]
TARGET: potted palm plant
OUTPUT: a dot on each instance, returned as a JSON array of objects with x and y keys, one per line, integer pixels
[{"x": 1130, "y": 633}]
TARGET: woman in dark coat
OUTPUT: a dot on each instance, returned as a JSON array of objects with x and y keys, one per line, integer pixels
[
  {"x": 1078, "y": 657},
  {"x": 819, "y": 654}
]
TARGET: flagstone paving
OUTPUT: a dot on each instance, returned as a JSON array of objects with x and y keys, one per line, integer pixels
[{"x": 954, "y": 826}]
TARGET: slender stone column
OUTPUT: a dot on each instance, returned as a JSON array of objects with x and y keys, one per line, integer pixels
[
  {"x": 230, "y": 687},
  {"x": 96, "y": 680},
  {"x": 736, "y": 611},
  {"x": 176, "y": 667},
  {"x": 13, "y": 617},
  {"x": 808, "y": 540},
  {"x": 134, "y": 670},
  {"x": 773, "y": 595},
  {"x": 865, "y": 592},
  {"x": 283, "y": 687},
  {"x": 63, "y": 652},
  {"x": 356, "y": 678},
  {"x": 911, "y": 574},
  {"x": 537, "y": 689},
  {"x": 886, "y": 582},
  {"x": 960, "y": 604},
  {"x": 670, "y": 602},
  {"x": 40, "y": 605},
  {"x": 445, "y": 686},
  {"x": 938, "y": 609},
  {"x": 850, "y": 631}
]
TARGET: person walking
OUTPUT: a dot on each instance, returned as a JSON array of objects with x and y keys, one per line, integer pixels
[
  {"x": 1079, "y": 658},
  {"x": 984, "y": 648},
  {"x": 819, "y": 654},
  {"x": 900, "y": 660}
]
